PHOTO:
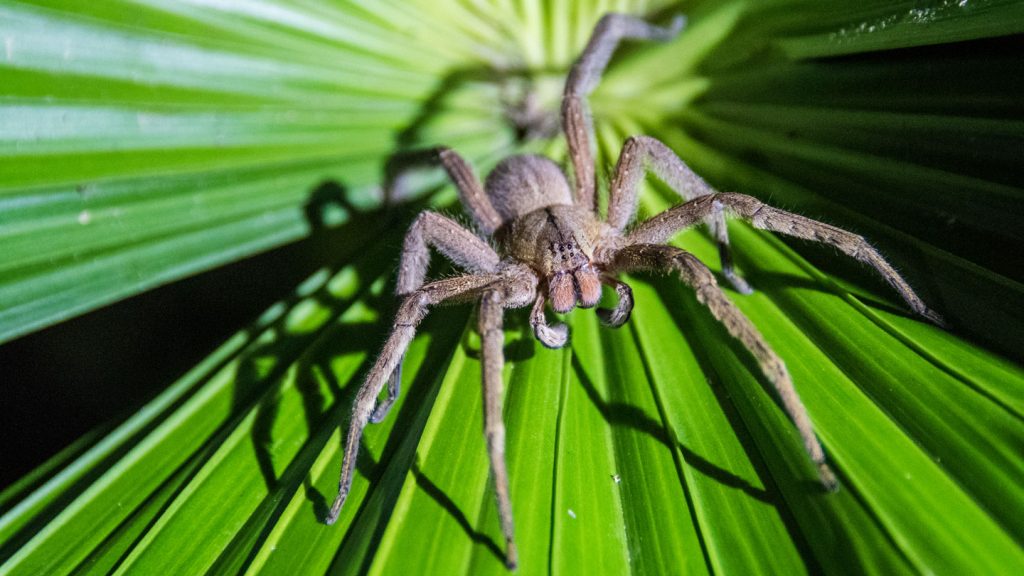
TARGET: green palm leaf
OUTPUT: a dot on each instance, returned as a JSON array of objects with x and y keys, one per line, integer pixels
[{"x": 142, "y": 142}]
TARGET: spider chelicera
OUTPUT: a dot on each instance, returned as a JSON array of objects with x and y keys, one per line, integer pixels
[{"x": 553, "y": 246}]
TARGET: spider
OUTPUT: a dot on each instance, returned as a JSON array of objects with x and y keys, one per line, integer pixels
[{"x": 553, "y": 247}]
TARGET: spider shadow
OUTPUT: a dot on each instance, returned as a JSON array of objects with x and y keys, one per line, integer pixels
[
  {"x": 372, "y": 469},
  {"x": 867, "y": 284},
  {"x": 435, "y": 492},
  {"x": 252, "y": 365},
  {"x": 417, "y": 394},
  {"x": 628, "y": 415},
  {"x": 516, "y": 109},
  {"x": 514, "y": 321},
  {"x": 286, "y": 351},
  {"x": 516, "y": 84},
  {"x": 680, "y": 299},
  {"x": 278, "y": 347},
  {"x": 681, "y": 302},
  {"x": 240, "y": 348}
]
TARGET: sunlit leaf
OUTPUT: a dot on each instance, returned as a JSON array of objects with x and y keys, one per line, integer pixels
[{"x": 144, "y": 141}]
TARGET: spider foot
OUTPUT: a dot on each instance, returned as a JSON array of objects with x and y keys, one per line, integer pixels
[
  {"x": 335, "y": 511},
  {"x": 738, "y": 283},
  {"x": 552, "y": 336},
  {"x": 614, "y": 317},
  {"x": 934, "y": 317},
  {"x": 828, "y": 479},
  {"x": 675, "y": 27},
  {"x": 511, "y": 558}
]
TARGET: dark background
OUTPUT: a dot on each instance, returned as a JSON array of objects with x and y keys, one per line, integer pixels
[{"x": 61, "y": 382}]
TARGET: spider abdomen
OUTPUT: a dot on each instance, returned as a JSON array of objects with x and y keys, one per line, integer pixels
[{"x": 521, "y": 184}]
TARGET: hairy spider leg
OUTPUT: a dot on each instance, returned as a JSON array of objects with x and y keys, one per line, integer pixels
[
  {"x": 492, "y": 338},
  {"x": 462, "y": 247},
  {"x": 412, "y": 311},
  {"x": 658, "y": 257},
  {"x": 660, "y": 228},
  {"x": 643, "y": 154},
  {"x": 584, "y": 77},
  {"x": 471, "y": 192}
]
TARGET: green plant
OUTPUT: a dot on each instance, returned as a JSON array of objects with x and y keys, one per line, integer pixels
[{"x": 141, "y": 142}]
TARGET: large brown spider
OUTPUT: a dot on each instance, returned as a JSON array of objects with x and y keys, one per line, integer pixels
[{"x": 554, "y": 246}]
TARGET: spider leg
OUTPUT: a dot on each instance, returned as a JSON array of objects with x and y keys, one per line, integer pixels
[
  {"x": 619, "y": 315},
  {"x": 642, "y": 154},
  {"x": 550, "y": 336},
  {"x": 584, "y": 77},
  {"x": 658, "y": 258},
  {"x": 660, "y": 228},
  {"x": 462, "y": 247},
  {"x": 471, "y": 192},
  {"x": 457, "y": 244},
  {"x": 412, "y": 311},
  {"x": 493, "y": 339}
]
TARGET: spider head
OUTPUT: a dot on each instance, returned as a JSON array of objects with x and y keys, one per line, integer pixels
[{"x": 557, "y": 241}]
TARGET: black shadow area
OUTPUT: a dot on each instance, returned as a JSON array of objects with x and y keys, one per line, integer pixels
[{"x": 68, "y": 379}]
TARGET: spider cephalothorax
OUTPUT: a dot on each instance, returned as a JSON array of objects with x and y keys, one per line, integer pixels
[
  {"x": 553, "y": 246},
  {"x": 544, "y": 229}
]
